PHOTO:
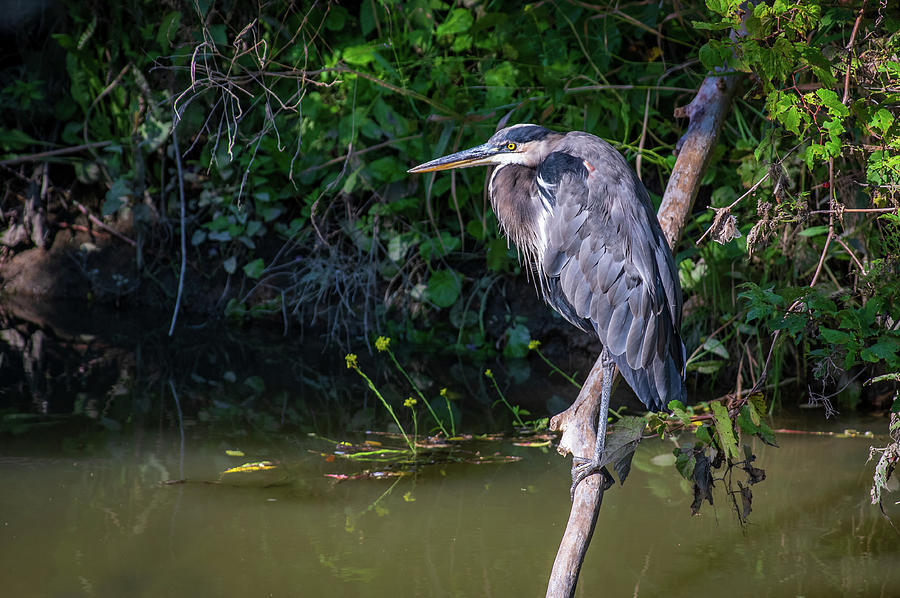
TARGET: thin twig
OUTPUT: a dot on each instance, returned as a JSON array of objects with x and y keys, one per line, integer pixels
[
  {"x": 183, "y": 226},
  {"x": 851, "y": 254},
  {"x": 640, "y": 154},
  {"x": 371, "y": 148},
  {"x": 849, "y": 48},
  {"x": 99, "y": 223},
  {"x": 858, "y": 211},
  {"x": 53, "y": 153}
]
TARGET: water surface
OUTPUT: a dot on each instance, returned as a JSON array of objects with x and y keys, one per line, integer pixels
[
  {"x": 103, "y": 525},
  {"x": 99, "y": 412}
]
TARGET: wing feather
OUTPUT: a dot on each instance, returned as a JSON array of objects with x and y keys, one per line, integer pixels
[{"x": 610, "y": 269}]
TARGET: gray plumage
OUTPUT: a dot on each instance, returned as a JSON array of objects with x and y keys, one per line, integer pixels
[
  {"x": 615, "y": 270},
  {"x": 584, "y": 223}
]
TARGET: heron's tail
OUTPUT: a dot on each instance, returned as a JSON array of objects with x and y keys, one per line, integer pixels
[{"x": 657, "y": 384}]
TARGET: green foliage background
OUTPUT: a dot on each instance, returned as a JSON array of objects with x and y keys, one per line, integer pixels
[{"x": 298, "y": 123}]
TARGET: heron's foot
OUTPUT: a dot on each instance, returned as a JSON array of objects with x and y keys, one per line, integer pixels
[{"x": 582, "y": 468}]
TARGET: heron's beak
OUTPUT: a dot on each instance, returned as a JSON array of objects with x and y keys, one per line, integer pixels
[{"x": 475, "y": 156}]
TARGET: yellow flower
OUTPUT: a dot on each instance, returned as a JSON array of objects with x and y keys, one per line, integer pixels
[
  {"x": 532, "y": 345},
  {"x": 383, "y": 343},
  {"x": 410, "y": 402},
  {"x": 443, "y": 392},
  {"x": 350, "y": 358},
  {"x": 489, "y": 373}
]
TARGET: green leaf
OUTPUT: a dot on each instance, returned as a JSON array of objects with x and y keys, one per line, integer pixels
[
  {"x": 168, "y": 28},
  {"x": 255, "y": 268},
  {"x": 715, "y": 346},
  {"x": 230, "y": 265},
  {"x": 458, "y": 21},
  {"x": 678, "y": 410},
  {"x": 725, "y": 431},
  {"x": 685, "y": 461},
  {"x": 120, "y": 189},
  {"x": 814, "y": 231},
  {"x": 497, "y": 255},
  {"x": 834, "y": 337},
  {"x": 706, "y": 366},
  {"x": 884, "y": 349},
  {"x": 437, "y": 247},
  {"x": 517, "y": 338},
  {"x": 702, "y": 433},
  {"x": 444, "y": 287},
  {"x": 721, "y": 25},
  {"x": 791, "y": 120},
  {"x": 757, "y": 407},
  {"x": 766, "y": 434},
  {"x": 359, "y": 55},
  {"x": 745, "y": 420},
  {"x": 881, "y": 120},
  {"x": 830, "y": 100}
]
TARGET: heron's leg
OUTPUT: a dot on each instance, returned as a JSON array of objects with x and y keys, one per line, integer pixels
[{"x": 582, "y": 467}]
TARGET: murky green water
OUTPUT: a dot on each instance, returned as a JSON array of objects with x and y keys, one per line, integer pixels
[
  {"x": 72, "y": 525},
  {"x": 90, "y": 430}
]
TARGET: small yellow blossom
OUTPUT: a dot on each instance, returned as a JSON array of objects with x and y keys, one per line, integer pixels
[
  {"x": 533, "y": 344},
  {"x": 383, "y": 343},
  {"x": 443, "y": 392},
  {"x": 410, "y": 402},
  {"x": 489, "y": 373},
  {"x": 350, "y": 358}
]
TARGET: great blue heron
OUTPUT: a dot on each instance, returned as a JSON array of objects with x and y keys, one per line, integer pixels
[{"x": 583, "y": 221}]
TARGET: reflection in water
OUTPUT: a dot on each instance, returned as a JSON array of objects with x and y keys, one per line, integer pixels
[{"x": 98, "y": 412}]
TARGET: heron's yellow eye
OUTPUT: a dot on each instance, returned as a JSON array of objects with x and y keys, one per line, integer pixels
[{"x": 511, "y": 146}]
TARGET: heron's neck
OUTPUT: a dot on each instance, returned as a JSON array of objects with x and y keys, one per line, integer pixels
[{"x": 519, "y": 209}]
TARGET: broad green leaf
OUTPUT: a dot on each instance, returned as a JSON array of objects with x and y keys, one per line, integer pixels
[
  {"x": 715, "y": 346},
  {"x": 757, "y": 407},
  {"x": 725, "y": 431},
  {"x": 881, "y": 120},
  {"x": 791, "y": 120},
  {"x": 115, "y": 197},
  {"x": 706, "y": 366},
  {"x": 814, "y": 231},
  {"x": 230, "y": 265},
  {"x": 745, "y": 420},
  {"x": 444, "y": 287},
  {"x": 359, "y": 55},
  {"x": 168, "y": 29},
  {"x": 255, "y": 268},
  {"x": 830, "y": 100},
  {"x": 685, "y": 461},
  {"x": 458, "y": 21},
  {"x": 704, "y": 435},
  {"x": 497, "y": 255},
  {"x": 517, "y": 338},
  {"x": 834, "y": 337},
  {"x": 886, "y": 349},
  {"x": 678, "y": 410}
]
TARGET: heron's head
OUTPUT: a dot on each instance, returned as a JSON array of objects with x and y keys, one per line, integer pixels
[{"x": 521, "y": 144}]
